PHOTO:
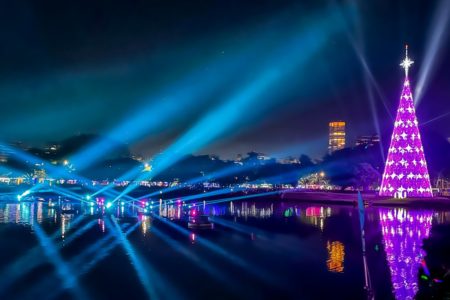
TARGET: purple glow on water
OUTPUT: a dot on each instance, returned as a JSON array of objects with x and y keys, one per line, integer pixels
[{"x": 403, "y": 232}]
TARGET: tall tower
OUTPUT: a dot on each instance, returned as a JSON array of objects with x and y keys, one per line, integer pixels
[
  {"x": 405, "y": 172},
  {"x": 336, "y": 137}
]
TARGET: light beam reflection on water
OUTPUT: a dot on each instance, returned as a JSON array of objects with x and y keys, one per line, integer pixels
[{"x": 296, "y": 243}]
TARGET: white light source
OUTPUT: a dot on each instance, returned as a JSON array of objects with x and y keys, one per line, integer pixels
[{"x": 406, "y": 63}]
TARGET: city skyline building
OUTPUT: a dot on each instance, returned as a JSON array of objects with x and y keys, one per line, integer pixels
[
  {"x": 336, "y": 136},
  {"x": 406, "y": 173},
  {"x": 367, "y": 140}
]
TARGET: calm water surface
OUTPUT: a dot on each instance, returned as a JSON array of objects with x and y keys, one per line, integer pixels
[{"x": 256, "y": 250}]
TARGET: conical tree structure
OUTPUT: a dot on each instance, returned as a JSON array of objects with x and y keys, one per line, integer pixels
[{"x": 405, "y": 172}]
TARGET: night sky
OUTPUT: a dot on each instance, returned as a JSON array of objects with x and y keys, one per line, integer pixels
[{"x": 87, "y": 66}]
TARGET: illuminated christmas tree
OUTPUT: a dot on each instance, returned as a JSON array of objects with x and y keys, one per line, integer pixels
[{"x": 405, "y": 172}]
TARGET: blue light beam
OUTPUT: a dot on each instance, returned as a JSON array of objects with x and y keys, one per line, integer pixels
[
  {"x": 437, "y": 37},
  {"x": 247, "y": 101}
]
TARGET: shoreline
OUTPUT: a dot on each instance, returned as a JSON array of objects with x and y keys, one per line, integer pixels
[
  {"x": 369, "y": 198},
  {"x": 320, "y": 197}
]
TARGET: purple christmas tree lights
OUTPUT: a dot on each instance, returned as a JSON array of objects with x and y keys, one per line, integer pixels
[
  {"x": 403, "y": 232},
  {"x": 405, "y": 172}
]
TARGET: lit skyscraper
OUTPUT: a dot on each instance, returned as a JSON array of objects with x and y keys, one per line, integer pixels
[{"x": 336, "y": 137}]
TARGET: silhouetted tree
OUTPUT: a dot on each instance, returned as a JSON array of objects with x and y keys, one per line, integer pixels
[
  {"x": 366, "y": 176},
  {"x": 305, "y": 161}
]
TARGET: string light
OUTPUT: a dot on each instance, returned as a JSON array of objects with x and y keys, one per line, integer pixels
[{"x": 406, "y": 172}]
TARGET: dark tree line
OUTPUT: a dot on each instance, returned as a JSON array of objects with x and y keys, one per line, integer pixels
[{"x": 359, "y": 167}]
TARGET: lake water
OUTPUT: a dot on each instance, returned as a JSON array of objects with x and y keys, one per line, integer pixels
[{"x": 256, "y": 250}]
